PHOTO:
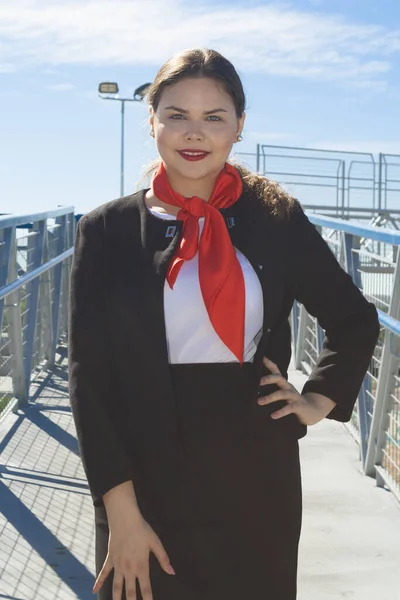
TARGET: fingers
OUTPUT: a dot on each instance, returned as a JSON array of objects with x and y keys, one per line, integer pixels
[
  {"x": 118, "y": 582},
  {"x": 130, "y": 588},
  {"x": 271, "y": 366},
  {"x": 288, "y": 395},
  {"x": 161, "y": 555},
  {"x": 286, "y": 392},
  {"x": 278, "y": 379},
  {"x": 283, "y": 412},
  {"x": 143, "y": 575},
  {"x": 130, "y": 581},
  {"x": 102, "y": 576},
  {"x": 145, "y": 586}
]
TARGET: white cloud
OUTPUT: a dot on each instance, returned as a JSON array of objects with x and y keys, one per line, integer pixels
[
  {"x": 7, "y": 68},
  {"x": 50, "y": 71},
  {"x": 264, "y": 38},
  {"x": 61, "y": 87}
]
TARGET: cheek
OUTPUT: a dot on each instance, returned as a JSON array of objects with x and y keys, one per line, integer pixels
[
  {"x": 164, "y": 131},
  {"x": 167, "y": 135},
  {"x": 222, "y": 141}
]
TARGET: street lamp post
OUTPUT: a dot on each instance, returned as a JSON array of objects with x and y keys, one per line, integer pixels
[{"x": 112, "y": 90}]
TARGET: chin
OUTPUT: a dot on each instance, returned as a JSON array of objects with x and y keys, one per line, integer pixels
[{"x": 194, "y": 171}]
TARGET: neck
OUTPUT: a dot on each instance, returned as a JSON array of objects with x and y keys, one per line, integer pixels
[{"x": 202, "y": 188}]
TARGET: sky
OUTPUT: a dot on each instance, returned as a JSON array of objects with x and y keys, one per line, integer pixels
[{"x": 316, "y": 73}]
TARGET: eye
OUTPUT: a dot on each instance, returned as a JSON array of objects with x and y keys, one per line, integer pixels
[{"x": 180, "y": 115}]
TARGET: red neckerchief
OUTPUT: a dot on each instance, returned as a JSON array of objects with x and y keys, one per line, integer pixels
[{"x": 220, "y": 273}]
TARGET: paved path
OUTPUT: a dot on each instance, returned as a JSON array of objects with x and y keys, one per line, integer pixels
[
  {"x": 47, "y": 535},
  {"x": 350, "y": 545}
]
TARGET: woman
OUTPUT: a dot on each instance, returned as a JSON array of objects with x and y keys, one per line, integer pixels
[{"x": 179, "y": 344}]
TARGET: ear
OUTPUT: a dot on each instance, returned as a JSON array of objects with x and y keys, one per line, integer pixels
[
  {"x": 241, "y": 122},
  {"x": 151, "y": 118}
]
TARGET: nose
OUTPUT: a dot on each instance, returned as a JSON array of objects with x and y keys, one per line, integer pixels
[{"x": 194, "y": 133}]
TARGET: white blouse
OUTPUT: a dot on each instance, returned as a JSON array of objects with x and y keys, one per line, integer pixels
[{"x": 191, "y": 337}]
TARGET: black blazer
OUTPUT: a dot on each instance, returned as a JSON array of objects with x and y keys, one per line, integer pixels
[{"x": 120, "y": 389}]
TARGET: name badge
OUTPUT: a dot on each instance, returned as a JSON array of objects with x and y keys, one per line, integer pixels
[{"x": 171, "y": 230}]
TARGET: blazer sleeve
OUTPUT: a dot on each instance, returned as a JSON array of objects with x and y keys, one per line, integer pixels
[
  {"x": 350, "y": 322},
  {"x": 91, "y": 389}
]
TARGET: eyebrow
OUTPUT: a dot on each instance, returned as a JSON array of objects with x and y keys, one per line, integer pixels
[{"x": 206, "y": 112}]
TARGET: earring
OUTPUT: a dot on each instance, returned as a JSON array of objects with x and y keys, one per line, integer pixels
[
  {"x": 239, "y": 138},
  {"x": 152, "y": 133}
]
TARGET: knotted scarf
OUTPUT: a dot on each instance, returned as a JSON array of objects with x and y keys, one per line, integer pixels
[{"x": 220, "y": 274}]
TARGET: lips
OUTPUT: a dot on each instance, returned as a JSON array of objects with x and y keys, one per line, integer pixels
[{"x": 192, "y": 155}]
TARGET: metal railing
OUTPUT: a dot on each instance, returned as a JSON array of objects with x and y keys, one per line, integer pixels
[
  {"x": 35, "y": 260},
  {"x": 371, "y": 256},
  {"x": 350, "y": 184}
]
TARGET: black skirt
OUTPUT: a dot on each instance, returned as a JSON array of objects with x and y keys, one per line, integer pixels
[{"x": 228, "y": 512}]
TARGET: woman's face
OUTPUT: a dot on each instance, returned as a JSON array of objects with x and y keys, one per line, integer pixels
[{"x": 187, "y": 126}]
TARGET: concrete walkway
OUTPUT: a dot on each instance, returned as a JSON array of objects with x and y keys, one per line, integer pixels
[
  {"x": 46, "y": 532},
  {"x": 350, "y": 545}
]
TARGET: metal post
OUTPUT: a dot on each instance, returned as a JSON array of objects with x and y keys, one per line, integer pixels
[
  {"x": 384, "y": 382},
  {"x": 45, "y": 296},
  {"x": 69, "y": 240},
  {"x": 258, "y": 159},
  {"x": 36, "y": 244},
  {"x": 5, "y": 255},
  {"x": 301, "y": 336},
  {"x": 122, "y": 144},
  {"x": 351, "y": 259},
  {"x": 343, "y": 186},
  {"x": 380, "y": 181},
  {"x": 320, "y": 336},
  {"x": 295, "y": 324},
  {"x": 15, "y": 323},
  {"x": 57, "y": 281}
]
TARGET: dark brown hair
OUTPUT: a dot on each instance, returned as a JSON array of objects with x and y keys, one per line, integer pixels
[{"x": 203, "y": 62}]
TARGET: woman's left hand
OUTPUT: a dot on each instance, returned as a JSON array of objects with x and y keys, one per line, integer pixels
[{"x": 310, "y": 408}]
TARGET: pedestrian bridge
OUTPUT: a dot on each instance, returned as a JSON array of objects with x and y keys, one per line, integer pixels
[{"x": 350, "y": 546}]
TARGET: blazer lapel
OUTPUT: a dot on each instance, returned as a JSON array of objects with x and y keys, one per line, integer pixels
[{"x": 253, "y": 233}]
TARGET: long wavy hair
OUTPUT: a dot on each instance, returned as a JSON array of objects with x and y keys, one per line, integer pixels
[{"x": 203, "y": 62}]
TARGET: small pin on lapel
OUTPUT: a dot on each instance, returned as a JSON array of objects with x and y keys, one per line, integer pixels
[
  {"x": 260, "y": 267},
  {"x": 230, "y": 221},
  {"x": 170, "y": 231}
]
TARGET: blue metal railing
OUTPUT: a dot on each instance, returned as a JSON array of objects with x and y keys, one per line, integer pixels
[
  {"x": 371, "y": 256},
  {"x": 386, "y": 236},
  {"x": 35, "y": 256}
]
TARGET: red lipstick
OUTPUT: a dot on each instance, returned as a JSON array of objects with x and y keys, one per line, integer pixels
[{"x": 193, "y": 154}]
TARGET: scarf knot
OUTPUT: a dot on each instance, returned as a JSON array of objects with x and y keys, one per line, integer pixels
[
  {"x": 195, "y": 206},
  {"x": 220, "y": 274}
]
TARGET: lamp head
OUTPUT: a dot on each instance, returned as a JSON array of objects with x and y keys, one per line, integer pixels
[
  {"x": 141, "y": 91},
  {"x": 107, "y": 87}
]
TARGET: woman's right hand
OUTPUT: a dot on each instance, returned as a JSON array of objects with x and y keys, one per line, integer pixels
[{"x": 129, "y": 546}]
